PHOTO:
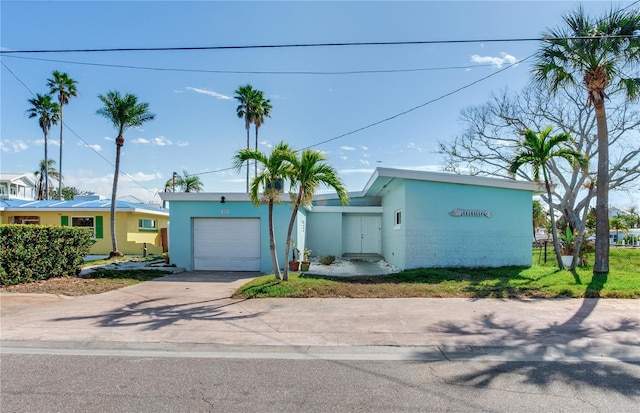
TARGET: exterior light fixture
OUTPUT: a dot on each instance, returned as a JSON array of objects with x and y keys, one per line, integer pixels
[{"x": 222, "y": 200}]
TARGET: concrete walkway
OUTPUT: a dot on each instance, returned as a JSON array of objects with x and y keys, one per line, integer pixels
[{"x": 193, "y": 312}]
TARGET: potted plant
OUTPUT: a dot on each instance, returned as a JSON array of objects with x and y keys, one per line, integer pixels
[
  {"x": 294, "y": 264},
  {"x": 304, "y": 266}
]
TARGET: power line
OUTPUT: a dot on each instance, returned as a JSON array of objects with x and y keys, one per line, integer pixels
[
  {"x": 302, "y": 45},
  {"x": 74, "y": 133},
  {"x": 253, "y": 72}
]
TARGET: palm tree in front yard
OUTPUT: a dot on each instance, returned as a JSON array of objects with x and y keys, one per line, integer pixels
[
  {"x": 309, "y": 172},
  {"x": 275, "y": 170},
  {"x": 64, "y": 87},
  {"x": 48, "y": 113},
  {"x": 124, "y": 112},
  {"x": 538, "y": 151},
  {"x": 601, "y": 54},
  {"x": 45, "y": 169}
]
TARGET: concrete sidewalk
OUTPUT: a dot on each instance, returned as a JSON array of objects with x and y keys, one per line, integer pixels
[{"x": 193, "y": 312}]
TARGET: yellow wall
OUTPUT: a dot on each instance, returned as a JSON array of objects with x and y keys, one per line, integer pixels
[{"x": 130, "y": 238}]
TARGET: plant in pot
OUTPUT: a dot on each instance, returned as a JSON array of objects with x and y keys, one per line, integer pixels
[
  {"x": 294, "y": 264},
  {"x": 304, "y": 266}
]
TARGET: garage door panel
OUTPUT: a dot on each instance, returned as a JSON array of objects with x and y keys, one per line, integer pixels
[{"x": 226, "y": 244}]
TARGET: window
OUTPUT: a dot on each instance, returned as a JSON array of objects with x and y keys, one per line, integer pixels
[
  {"x": 397, "y": 219},
  {"x": 85, "y": 222},
  {"x": 146, "y": 224}
]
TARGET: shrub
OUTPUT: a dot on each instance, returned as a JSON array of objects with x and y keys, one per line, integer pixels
[
  {"x": 34, "y": 252},
  {"x": 327, "y": 259}
]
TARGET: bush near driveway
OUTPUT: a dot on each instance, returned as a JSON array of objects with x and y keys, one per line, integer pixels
[{"x": 35, "y": 252}]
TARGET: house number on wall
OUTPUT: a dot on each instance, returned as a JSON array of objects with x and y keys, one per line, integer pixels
[{"x": 470, "y": 213}]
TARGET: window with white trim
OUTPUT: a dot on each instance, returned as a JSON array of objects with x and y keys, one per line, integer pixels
[
  {"x": 84, "y": 222},
  {"x": 397, "y": 219},
  {"x": 147, "y": 224}
]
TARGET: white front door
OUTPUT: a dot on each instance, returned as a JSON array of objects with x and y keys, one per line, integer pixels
[
  {"x": 226, "y": 244},
  {"x": 361, "y": 234}
]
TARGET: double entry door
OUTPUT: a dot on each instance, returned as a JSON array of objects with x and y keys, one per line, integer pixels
[{"x": 361, "y": 234}]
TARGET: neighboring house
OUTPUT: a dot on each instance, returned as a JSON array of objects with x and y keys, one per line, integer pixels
[
  {"x": 17, "y": 186},
  {"x": 410, "y": 218},
  {"x": 136, "y": 224}
]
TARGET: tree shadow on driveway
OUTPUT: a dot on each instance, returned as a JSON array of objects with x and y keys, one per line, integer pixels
[{"x": 152, "y": 314}]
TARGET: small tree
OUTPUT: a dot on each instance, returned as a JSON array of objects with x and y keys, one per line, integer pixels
[
  {"x": 48, "y": 113},
  {"x": 308, "y": 173},
  {"x": 536, "y": 151},
  {"x": 276, "y": 168}
]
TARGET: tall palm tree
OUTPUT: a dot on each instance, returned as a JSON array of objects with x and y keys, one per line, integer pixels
[
  {"x": 276, "y": 168},
  {"x": 46, "y": 168},
  {"x": 308, "y": 173},
  {"x": 537, "y": 151},
  {"x": 123, "y": 112},
  {"x": 596, "y": 53},
  {"x": 64, "y": 87},
  {"x": 248, "y": 99},
  {"x": 262, "y": 110},
  {"x": 48, "y": 113}
]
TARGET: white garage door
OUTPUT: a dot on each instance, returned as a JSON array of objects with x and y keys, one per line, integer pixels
[{"x": 226, "y": 244}]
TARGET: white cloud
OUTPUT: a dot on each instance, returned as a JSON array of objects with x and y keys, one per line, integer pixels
[
  {"x": 15, "y": 146},
  {"x": 95, "y": 147},
  {"x": 208, "y": 93},
  {"x": 143, "y": 177},
  {"x": 107, "y": 138},
  {"x": 344, "y": 158},
  {"x": 494, "y": 60},
  {"x": 157, "y": 141},
  {"x": 364, "y": 148},
  {"x": 415, "y": 147},
  {"x": 50, "y": 142},
  {"x": 266, "y": 144},
  {"x": 347, "y": 148},
  {"x": 367, "y": 171},
  {"x": 182, "y": 143},
  {"x": 364, "y": 162}
]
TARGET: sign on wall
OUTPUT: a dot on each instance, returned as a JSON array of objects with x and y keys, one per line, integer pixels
[{"x": 470, "y": 213}]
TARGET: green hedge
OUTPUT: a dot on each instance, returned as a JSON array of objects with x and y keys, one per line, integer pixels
[{"x": 35, "y": 252}]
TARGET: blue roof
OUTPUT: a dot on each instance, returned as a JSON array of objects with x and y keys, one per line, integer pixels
[{"x": 99, "y": 204}]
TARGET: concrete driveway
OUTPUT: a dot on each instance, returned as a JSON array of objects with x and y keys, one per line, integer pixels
[{"x": 194, "y": 309}]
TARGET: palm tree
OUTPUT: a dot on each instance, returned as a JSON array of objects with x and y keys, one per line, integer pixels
[
  {"x": 48, "y": 170},
  {"x": 262, "y": 110},
  {"x": 48, "y": 113},
  {"x": 123, "y": 112},
  {"x": 276, "y": 168},
  {"x": 248, "y": 97},
  {"x": 309, "y": 172},
  {"x": 65, "y": 87},
  {"x": 594, "y": 52},
  {"x": 538, "y": 150},
  {"x": 188, "y": 183}
]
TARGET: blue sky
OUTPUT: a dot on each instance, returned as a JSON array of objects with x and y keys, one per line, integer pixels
[{"x": 196, "y": 128}]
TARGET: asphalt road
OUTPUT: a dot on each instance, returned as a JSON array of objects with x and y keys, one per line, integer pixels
[{"x": 90, "y": 383}]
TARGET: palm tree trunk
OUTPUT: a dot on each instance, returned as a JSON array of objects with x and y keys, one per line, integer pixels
[
  {"x": 294, "y": 213},
  {"x": 247, "y": 159},
  {"x": 272, "y": 243},
  {"x": 60, "y": 163},
  {"x": 112, "y": 217},
  {"x": 554, "y": 231},
  {"x": 255, "y": 162},
  {"x": 46, "y": 167},
  {"x": 601, "y": 261}
]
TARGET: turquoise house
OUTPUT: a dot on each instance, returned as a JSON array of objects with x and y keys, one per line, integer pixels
[{"x": 410, "y": 218}]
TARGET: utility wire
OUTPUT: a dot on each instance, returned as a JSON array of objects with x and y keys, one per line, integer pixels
[
  {"x": 300, "y": 45},
  {"x": 74, "y": 133},
  {"x": 252, "y": 72}
]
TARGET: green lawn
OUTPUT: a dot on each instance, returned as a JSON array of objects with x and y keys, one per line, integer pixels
[{"x": 540, "y": 281}]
